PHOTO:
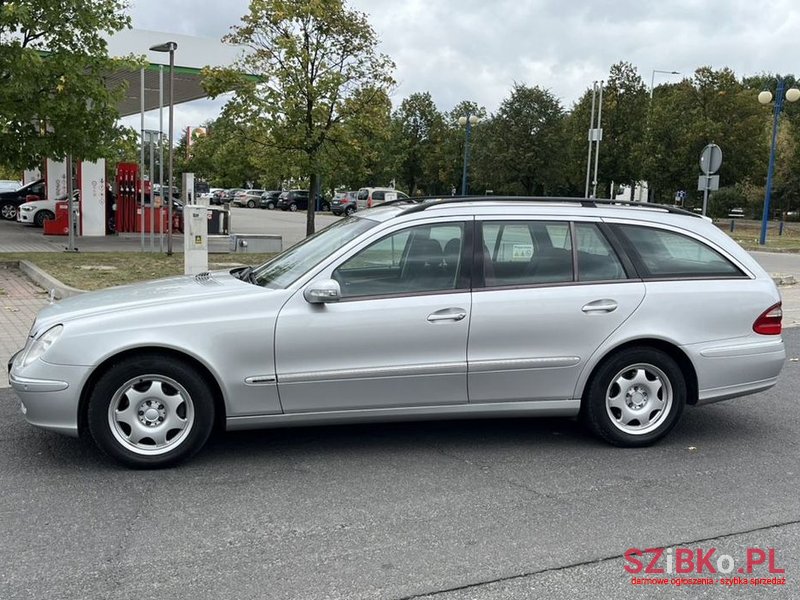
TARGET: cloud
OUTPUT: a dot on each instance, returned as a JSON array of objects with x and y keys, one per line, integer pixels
[{"x": 475, "y": 50}]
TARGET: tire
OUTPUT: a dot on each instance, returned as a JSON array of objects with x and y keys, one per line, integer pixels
[
  {"x": 8, "y": 210},
  {"x": 251, "y": 204},
  {"x": 41, "y": 216},
  {"x": 132, "y": 405},
  {"x": 349, "y": 211},
  {"x": 324, "y": 207},
  {"x": 270, "y": 206},
  {"x": 293, "y": 207},
  {"x": 635, "y": 397}
]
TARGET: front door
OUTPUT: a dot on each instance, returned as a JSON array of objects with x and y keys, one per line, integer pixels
[{"x": 398, "y": 337}]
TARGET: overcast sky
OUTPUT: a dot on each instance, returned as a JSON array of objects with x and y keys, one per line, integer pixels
[{"x": 476, "y": 49}]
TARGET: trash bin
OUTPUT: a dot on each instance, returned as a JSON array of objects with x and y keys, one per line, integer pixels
[{"x": 218, "y": 221}]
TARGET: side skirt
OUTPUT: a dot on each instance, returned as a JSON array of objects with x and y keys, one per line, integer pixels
[{"x": 542, "y": 408}]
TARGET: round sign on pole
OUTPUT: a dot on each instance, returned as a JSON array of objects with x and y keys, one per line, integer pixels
[{"x": 711, "y": 159}]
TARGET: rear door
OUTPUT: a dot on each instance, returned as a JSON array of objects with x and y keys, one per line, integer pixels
[{"x": 541, "y": 308}]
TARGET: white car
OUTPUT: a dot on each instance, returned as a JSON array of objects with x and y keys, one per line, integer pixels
[{"x": 39, "y": 211}]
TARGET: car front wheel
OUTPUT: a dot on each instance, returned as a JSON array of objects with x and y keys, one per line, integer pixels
[
  {"x": 150, "y": 411},
  {"x": 42, "y": 216},
  {"x": 293, "y": 207},
  {"x": 635, "y": 397},
  {"x": 270, "y": 206}
]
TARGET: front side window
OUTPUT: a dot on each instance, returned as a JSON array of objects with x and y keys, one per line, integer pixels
[
  {"x": 668, "y": 254},
  {"x": 425, "y": 258},
  {"x": 526, "y": 253}
]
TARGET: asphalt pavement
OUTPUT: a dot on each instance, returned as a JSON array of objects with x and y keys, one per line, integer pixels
[{"x": 473, "y": 510}]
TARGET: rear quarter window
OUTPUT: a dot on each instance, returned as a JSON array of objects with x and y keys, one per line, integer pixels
[{"x": 667, "y": 254}]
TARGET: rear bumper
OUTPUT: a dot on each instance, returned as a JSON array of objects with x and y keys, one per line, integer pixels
[{"x": 736, "y": 368}]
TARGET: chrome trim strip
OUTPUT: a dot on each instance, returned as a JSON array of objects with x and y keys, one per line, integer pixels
[
  {"x": 551, "y": 408},
  {"x": 743, "y": 349},
  {"x": 447, "y": 368},
  {"x": 260, "y": 379},
  {"x": 24, "y": 384},
  {"x": 514, "y": 364}
]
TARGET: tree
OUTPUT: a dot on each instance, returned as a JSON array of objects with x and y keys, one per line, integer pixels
[
  {"x": 53, "y": 95},
  {"x": 520, "y": 149},
  {"x": 419, "y": 131},
  {"x": 312, "y": 58}
]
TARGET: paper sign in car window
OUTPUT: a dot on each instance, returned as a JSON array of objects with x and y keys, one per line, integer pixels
[{"x": 521, "y": 252}]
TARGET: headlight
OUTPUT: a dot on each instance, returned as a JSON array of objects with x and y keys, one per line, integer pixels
[
  {"x": 27, "y": 208},
  {"x": 39, "y": 346}
]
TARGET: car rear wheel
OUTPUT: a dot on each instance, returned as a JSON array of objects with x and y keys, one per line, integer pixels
[
  {"x": 8, "y": 211},
  {"x": 349, "y": 211},
  {"x": 42, "y": 216},
  {"x": 635, "y": 397},
  {"x": 150, "y": 411},
  {"x": 251, "y": 204}
]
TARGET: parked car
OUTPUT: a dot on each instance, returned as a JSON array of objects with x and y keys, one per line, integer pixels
[
  {"x": 369, "y": 197},
  {"x": 298, "y": 200},
  {"x": 227, "y": 195},
  {"x": 10, "y": 201},
  {"x": 344, "y": 203},
  {"x": 461, "y": 307},
  {"x": 248, "y": 198},
  {"x": 36, "y": 212},
  {"x": 269, "y": 200}
]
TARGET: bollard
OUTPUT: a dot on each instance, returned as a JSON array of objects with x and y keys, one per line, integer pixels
[
  {"x": 733, "y": 224},
  {"x": 780, "y": 229}
]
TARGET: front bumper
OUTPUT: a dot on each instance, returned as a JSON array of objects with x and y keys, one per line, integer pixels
[
  {"x": 24, "y": 217},
  {"x": 49, "y": 394}
]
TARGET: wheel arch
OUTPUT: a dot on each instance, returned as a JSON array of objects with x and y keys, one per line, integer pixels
[
  {"x": 103, "y": 367},
  {"x": 678, "y": 355}
]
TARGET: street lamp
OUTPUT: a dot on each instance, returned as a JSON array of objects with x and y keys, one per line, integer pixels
[
  {"x": 653, "y": 78},
  {"x": 469, "y": 121},
  {"x": 765, "y": 97},
  {"x": 169, "y": 47}
]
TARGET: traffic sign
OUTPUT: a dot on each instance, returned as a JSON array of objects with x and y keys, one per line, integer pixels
[{"x": 711, "y": 159}]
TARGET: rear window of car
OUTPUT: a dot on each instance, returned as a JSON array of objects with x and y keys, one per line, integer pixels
[{"x": 667, "y": 254}]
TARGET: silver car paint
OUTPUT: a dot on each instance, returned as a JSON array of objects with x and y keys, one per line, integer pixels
[{"x": 233, "y": 329}]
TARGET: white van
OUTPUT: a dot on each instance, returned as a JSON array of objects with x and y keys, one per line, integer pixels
[{"x": 369, "y": 197}]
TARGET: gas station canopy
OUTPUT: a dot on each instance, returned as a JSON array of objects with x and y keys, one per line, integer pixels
[{"x": 191, "y": 56}]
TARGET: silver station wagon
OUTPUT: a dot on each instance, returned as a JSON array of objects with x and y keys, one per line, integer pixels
[{"x": 621, "y": 314}]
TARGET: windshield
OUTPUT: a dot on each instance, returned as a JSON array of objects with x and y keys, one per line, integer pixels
[{"x": 287, "y": 267}]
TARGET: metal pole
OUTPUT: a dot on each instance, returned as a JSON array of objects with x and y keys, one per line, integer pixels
[
  {"x": 152, "y": 196},
  {"x": 161, "y": 153},
  {"x": 652, "y": 83},
  {"x": 169, "y": 168},
  {"x": 466, "y": 158},
  {"x": 591, "y": 129},
  {"x": 705, "y": 195},
  {"x": 466, "y": 162},
  {"x": 70, "y": 213},
  {"x": 141, "y": 161},
  {"x": 768, "y": 192},
  {"x": 597, "y": 149}
]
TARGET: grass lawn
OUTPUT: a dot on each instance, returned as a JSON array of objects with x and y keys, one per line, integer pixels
[
  {"x": 747, "y": 234},
  {"x": 95, "y": 270}
]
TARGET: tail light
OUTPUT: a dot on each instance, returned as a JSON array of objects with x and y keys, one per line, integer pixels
[
  {"x": 369, "y": 201},
  {"x": 769, "y": 322}
]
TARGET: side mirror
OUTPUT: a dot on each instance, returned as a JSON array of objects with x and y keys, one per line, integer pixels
[{"x": 322, "y": 292}]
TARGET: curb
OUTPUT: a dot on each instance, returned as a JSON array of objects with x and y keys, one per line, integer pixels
[{"x": 47, "y": 281}]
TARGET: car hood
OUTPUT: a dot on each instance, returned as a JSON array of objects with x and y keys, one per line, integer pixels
[{"x": 182, "y": 289}]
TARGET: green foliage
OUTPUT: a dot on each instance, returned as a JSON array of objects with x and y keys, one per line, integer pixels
[
  {"x": 53, "y": 96},
  {"x": 318, "y": 68}
]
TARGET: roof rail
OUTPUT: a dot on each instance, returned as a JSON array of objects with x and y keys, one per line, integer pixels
[{"x": 420, "y": 204}]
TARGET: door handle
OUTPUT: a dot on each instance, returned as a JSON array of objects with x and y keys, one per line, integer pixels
[
  {"x": 600, "y": 306},
  {"x": 447, "y": 314}
]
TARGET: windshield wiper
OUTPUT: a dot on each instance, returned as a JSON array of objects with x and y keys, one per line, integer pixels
[{"x": 246, "y": 274}]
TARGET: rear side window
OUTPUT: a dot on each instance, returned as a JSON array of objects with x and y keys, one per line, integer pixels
[
  {"x": 597, "y": 260},
  {"x": 377, "y": 196},
  {"x": 663, "y": 253},
  {"x": 519, "y": 253}
]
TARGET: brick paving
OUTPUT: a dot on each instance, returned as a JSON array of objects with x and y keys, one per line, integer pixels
[{"x": 20, "y": 300}]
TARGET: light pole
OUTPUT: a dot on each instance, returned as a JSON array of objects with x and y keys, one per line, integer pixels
[
  {"x": 469, "y": 121},
  {"x": 169, "y": 47},
  {"x": 653, "y": 78},
  {"x": 765, "y": 97}
]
